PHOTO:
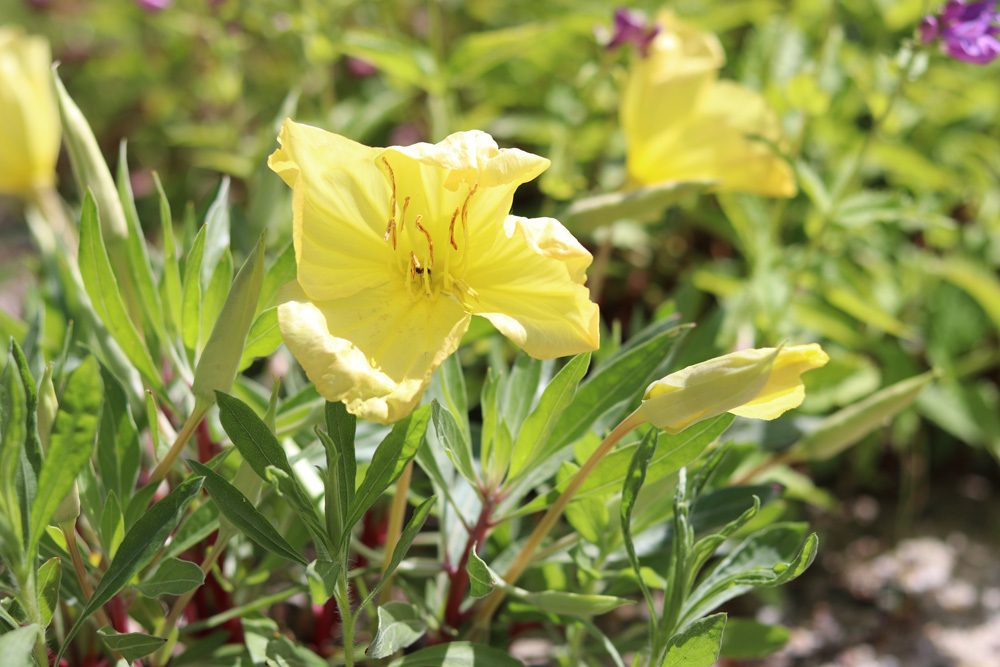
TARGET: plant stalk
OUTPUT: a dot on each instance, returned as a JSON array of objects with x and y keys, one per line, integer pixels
[
  {"x": 396, "y": 514},
  {"x": 524, "y": 558},
  {"x": 163, "y": 467}
]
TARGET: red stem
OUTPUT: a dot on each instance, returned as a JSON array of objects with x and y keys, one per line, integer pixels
[{"x": 459, "y": 575}]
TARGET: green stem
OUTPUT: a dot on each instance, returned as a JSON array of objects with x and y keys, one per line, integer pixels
[
  {"x": 396, "y": 513},
  {"x": 343, "y": 598},
  {"x": 527, "y": 553},
  {"x": 163, "y": 467}
]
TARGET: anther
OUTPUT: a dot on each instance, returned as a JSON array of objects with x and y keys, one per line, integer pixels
[
  {"x": 402, "y": 216},
  {"x": 392, "y": 182}
]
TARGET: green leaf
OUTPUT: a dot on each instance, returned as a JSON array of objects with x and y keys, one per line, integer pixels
[
  {"x": 322, "y": 576},
  {"x": 173, "y": 576},
  {"x": 533, "y": 440},
  {"x": 71, "y": 444},
  {"x": 47, "y": 582},
  {"x": 102, "y": 288},
  {"x": 238, "y": 509},
  {"x": 140, "y": 269},
  {"x": 517, "y": 390},
  {"x": 170, "y": 286},
  {"x": 842, "y": 429},
  {"x": 191, "y": 294},
  {"x": 769, "y": 557},
  {"x": 643, "y": 204},
  {"x": 16, "y": 646},
  {"x": 263, "y": 338},
  {"x": 617, "y": 381},
  {"x": 220, "y": 359},
  {"x": 213, "y": 295},
  {"x": 137, "y": 549},
  {"x": 131, "y": 645},
  {"x": 406, "y": 538},
  {"x": 261, "y": 450},
  {"x": 746, "y": 639},
  {"x": 391, "y": 456},
  {"x": 449, "y": 436},
  {"x": 399, "y": 625},
  {"x": 580, "y": 605},
  {"x": 634, "y": 479},
  {"x": 112, "y": 524},
  {"x": 280, "y": 273},
  {"x": 482, "y": 579},
  {"x": 89, "y": 167},
  {"x": 216, "y": 231},
  {"x": 673, "y": 452},
  {"x": 698, "y": 646},
  {"x": 457, "y": 654},
  {"x": 978, "y": 282}
]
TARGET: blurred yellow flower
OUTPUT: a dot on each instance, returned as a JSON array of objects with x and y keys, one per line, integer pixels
[
  {"x": 29, "y": 118},
  {"x": 760, "y": 384},
  {"x": 682, "y": 123},
  {"x": 397, "y": 247}
]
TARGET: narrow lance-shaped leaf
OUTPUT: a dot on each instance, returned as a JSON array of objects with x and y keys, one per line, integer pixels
[
  {"x": 842, "y": 429},
  {"x": 71, "y": 444},
  {"x": 634, "y": 479},
  {"x": 103, "y": 289},
  {"x": 406, "y": 538},
  {"x": 131, "y": 645},
  {"x": 137, "y": 549},
  {"x": 220, "y": 359},
  {"x": 240, "y": 511},
  {"x": 140, "y": 269},
  {"x": 173, "y": 576},
  {"x": 388, "y": 462},
  {"x": 170, "y": 286}
]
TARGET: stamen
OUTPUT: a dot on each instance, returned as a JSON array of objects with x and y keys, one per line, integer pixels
[
  {"x": 392, "y": 181},
  {"x": 390, "y": 230},
  {"x": 465, "y": 207},
  {"x": 451, "y": 229},
  {"x": 402, "y": 216},
  {"x": 427, "y": 235}
]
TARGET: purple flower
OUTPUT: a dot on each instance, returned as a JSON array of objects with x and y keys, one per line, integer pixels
[
  {"x": 631, "y": 27},
  {"x": 153, "y": 5},
  {"x": 967, "y": 30}
]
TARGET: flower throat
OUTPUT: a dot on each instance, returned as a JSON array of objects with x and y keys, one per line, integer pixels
[{"x": 429, "y": 269}]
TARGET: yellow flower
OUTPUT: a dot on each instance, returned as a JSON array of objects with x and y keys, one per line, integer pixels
[
  {"x": 683, "y": 124},
  {"x": 29, "y": 117},
  {"x": 397, "y": 247},
  {"x": 760, "y": 384}
]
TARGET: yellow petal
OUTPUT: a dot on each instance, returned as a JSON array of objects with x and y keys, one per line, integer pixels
[
  {"x": 529, "y": 284},
  {"x": 28, "y": 114},
  {"x": 706, "y": 389},
  {"x": 439, "y": 178},
  {"x": 681, "y": 124},
  {"x": 375, "y": 350},
  {"x": 340, "y": 208},
  {"x": 784, "y": 389}
]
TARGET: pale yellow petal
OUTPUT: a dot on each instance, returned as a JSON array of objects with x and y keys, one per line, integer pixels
[
  {"x": 28, "y": 114},
  {"x": 375, "y": 351},
  {"x": 707, "y": 389},
  {"x": 530, "y": 285},
  {"x": 468, "y": 172},
  {"x": 682, "y": 124},
  {"x": 340, "y": 209},
  {"x": 784, "y": 389}
]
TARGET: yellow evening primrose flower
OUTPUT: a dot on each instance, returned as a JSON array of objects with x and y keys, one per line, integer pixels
[
  {"x": 29, "y": 117},
  {"x": 682, "y": 123},
  {"x": 762, "y": 383},
  {"x": 396, "y": 248}
]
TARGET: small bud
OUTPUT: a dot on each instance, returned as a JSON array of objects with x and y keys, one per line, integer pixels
[{"x": 758, "y": 384}]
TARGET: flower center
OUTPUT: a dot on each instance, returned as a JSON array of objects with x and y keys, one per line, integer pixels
[{"x": 430, "y": 268}]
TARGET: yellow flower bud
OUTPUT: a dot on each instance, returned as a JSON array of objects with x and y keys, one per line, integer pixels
[
  {"x": 760, "y": 384},
  {"x": 28, "y": 114}
]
